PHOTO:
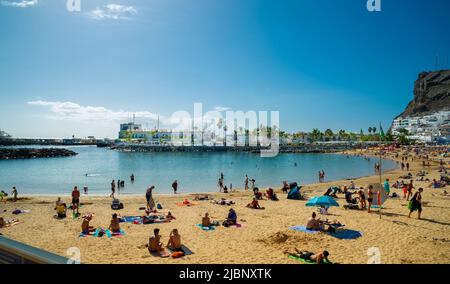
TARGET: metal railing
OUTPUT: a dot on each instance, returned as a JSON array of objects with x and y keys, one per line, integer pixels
[{"x": 13, "y": 252}]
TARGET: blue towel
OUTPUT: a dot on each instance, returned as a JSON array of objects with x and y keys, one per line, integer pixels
[
  {"x": 303, "y": 229},
  {"x": 130, "y": 219},
  {"x": 346, "y": 234}
]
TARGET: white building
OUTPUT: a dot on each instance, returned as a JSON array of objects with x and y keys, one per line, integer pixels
[{"x": 427, "y": 128}]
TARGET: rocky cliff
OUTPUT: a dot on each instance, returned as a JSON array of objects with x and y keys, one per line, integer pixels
[{"x": 431, "y": 94}]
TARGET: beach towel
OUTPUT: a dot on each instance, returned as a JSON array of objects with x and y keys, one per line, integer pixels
[
  {"x": 306, "y": 261},
  {"x": 346, "y": 234},
  {"x": 131, "y": 219},
  {"x": 110, "y": 234},
  {"x": 210, "y": 228},
  {"x": 184, "y": 249},
  {"x": 303, "y": 229},
  {"x": 237, "y": 225}
]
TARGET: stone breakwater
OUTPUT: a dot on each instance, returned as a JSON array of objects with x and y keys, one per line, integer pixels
[{"x": 29, "y": 153}]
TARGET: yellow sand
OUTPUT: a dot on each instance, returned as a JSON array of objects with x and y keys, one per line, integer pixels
[{"x": 264, "y": 237}]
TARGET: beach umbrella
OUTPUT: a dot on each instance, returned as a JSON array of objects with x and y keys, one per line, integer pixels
[{"x": 326, "y": 201}]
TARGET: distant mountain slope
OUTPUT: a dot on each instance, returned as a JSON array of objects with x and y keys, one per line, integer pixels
[{"x": 431, "y": 94}]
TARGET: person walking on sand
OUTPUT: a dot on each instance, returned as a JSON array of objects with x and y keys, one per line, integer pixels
[
  {"x": 75, "y": 200},
  {"x": 175, "y": 186},
  {"x": 410, "y": 188},
  {"x": 416, "y": 204},
  {"x": 407, "y": 166},
  {"x": 113, "y": 188},
  {"x": 132, "y": 178}
]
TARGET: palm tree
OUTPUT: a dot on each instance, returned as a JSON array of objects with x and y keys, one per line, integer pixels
[
  {"x": 329, "y": 133},
  {"x": 247, "y": 137},
  {"x": 219, "y": 125},
  {"x": 316, "y": 134},
  {"x": 225, "y": 128}
]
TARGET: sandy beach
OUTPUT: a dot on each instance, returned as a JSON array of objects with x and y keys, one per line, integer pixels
[{"x": 264, "y": 236}]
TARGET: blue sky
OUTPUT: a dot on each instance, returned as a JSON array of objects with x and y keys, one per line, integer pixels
[{"x": 321, "y": 63}]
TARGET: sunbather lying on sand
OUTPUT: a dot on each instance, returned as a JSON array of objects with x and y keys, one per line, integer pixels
[
  {"x": 254, "y": 204},
  {"x": 223, "y": 201},
  {"x": 85, "y": 227},
  {"x": 114, "y": 226},
  {"x": 8, "y": 223},
  {"x": 201, "y": 197},
  {"x": 319, "y": 258}
]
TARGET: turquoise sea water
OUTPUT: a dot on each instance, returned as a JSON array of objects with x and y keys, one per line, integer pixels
[{"x": 195, "y": 172}]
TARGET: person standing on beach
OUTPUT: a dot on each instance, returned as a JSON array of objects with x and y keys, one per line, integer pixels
[
  {"x": 246, "y": 182},
  {"x": 175, "y": 186},
  {"x": 75, "y": 200},
  {"x": 132, "y": 178},
  {"x": 149, "y": 198},
  {"x": 369, "y": 197},
  {"x": 14, "y": 193},
  {"x": 387, "y": 187},
  {"x": 113, "y": 188},
  {"x": 220, "y": 184},
  {"x": 416, "y": 203},
  {"x": 403, "y": 166},
  {"x": 407, "y": 166}
]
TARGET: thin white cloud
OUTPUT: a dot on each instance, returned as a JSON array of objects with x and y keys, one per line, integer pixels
[
  {"x": 19, "y": 4},
  {"x": 97, "y": 114},
  {"x": 113, "y": 12},
  {"x": 220, "y": 109}
]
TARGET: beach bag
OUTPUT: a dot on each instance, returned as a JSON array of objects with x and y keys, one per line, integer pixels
[
  {"x": 410, "y": 205},
  {"x": 177, "y": 254},
  {"x": 116, "y": 205}
]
